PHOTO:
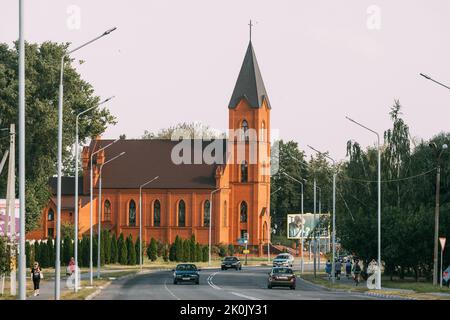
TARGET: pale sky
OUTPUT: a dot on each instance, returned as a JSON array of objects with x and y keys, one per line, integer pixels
[{"x": 173, "y": 61}]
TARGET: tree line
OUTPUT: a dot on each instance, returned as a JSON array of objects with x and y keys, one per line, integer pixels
[{"x": 408, "y": 174}]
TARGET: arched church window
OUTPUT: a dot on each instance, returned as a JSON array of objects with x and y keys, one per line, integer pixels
[
  {"x": 51, "y": 215},
  {"x": 206, "y": 213},
  {"x": 244, "y": 127},
  {"x": 107, "y": 211},
  {"x": 243, "y": 212},
  {"x": 132, "y": 213},
  {"x": 181, "y": 214},
  {"x": 244, "y": 171},
  {"x": 156, "y": 213}
]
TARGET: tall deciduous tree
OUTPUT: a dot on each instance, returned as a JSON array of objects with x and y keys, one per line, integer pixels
[{"x": 42, "y": 68}]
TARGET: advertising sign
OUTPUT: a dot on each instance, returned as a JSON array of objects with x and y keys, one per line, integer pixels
[
  {"x": 3, "y": 217},
  {"x": 301, "y": 225}
]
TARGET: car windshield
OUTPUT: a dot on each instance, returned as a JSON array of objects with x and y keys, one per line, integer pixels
[
  {"x": 283, "y": 256},
  {"x": 186, "y": 267},
  {"x": 230, "y": 258},
  {"x": 282, "y": 270}
]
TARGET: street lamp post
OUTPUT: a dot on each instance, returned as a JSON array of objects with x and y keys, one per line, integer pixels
[
  {"x": 22, "y": 261},
  {"x": 91, "y": 263},
  {"x": 431, "y": 79},
  {"x": 140, "y": 218},
  {"x": 76, "y": 189},
  {"x": 378, "y": 282},
  {"x": 210, "y": 223},
  {"x": 302, "y": 231},
  {"x": 333, "y": 277},
  {"x": 318, "y": 238},
  {"x": 268, "y": 241},
  {"x": 436, "y": 211},
  {"x": 100, "y": 211},
  {"x": 58, "y": 202}
]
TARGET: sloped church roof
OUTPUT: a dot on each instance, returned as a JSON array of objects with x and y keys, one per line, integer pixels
[{"x": 249, "y": 84}]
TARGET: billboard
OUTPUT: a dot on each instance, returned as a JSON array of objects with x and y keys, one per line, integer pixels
[
  {"x": 3, "y": 217},
  {"x": 301, "y": 225}
]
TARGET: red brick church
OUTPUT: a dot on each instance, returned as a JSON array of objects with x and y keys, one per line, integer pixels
[{"x": 233, "y": 195}]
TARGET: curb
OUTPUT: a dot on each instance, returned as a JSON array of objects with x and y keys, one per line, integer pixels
[
  {"x": 388, "y": 296},
  {"x": 97, "y": 292}
]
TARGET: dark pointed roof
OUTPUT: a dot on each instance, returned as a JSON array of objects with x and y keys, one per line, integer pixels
[{"x": 249, "y": 84}]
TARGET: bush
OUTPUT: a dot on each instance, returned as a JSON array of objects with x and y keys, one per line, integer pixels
[
  {"x": 222, "y": 250},
  {"x": 165, "y": 253},
  {"x": 107, "y": 237},
  {"x": 123, "y": 252},
  {"x": 43, "y": 255},
  {"x": 192, "y": 249},
  {"x": 186, "y": 250},
  {"x": 205, "y": 253},
  {"x": 159, "y": 248},
  {"x": 5, "y": 256},
  {"x": 231, "y": 249},
  {"x": 172, "y": 252},
  {"x": 137, "y": 249},
  {"x": 178, "y": 249},
  {"x": 198, "y": 252},
  {"x": 131, "y": 251},
  {"x": 152, "y": 250},
  {"x": 114, "y": 251}
]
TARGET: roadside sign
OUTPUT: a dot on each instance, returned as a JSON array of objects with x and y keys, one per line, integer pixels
[
  {"x": 442, "y": 240},
  {"x": 242, "y": 241},
  {"x": 246, "y": 251}
]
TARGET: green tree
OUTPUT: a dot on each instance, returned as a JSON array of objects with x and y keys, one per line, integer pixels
[
  {"x": 5, "y": 256},
  {"x": 42, "y": 77},
  {"x": 193, "y": 256},
  {"x": 165, "y": 253},
  {"x": 178, "y": 249},
  {"x": 131, "y": 259},
  {"x": 152, "y": 250},
  {"x": 137, "y": 249},
  {"x": 231, "y": 249},
  {"x": 123, "y": 250},
  {"x": 205, "y": 254},
  {"x": 198, "y": 252},
  {"x": 186, "y": 250},
  {"x": 107, "y": 237},
  {"x": 114, "y": 250},
  {"x": 50, "y": 251},
  {"x": 172, "y": 252},
  {"x": 27, "y": 254},
  {"x": 36, "y": 251},
  {"x": 43, "y": 250}
]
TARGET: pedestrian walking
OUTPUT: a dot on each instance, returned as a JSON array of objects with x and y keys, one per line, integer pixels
[
  {"x": 348, "y": 268},
  {"x": 71, "y": 267},
  {"x": 36, "y": 276},
  {"x": 356, "y": 272},
  {"x": 338, "y": 269},
  {"x": 328, "y": 268}
]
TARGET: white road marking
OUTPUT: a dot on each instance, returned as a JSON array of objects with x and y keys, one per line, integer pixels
[
  {"x": 173, "y": 295},
  {"x": 244, "y": 296},
  {"x": 211, "y": 284}
]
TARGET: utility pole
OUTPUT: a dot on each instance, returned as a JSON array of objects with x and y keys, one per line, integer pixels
[
  {"x": 315, "y": 231},
  {"x": 22, "y": 262},
  {"x": 11, "y": 206}
]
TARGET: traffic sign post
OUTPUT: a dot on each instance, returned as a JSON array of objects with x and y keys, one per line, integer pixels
[
  {"x": 246, "y": 248},
  {"x": 442, "y": 241}
]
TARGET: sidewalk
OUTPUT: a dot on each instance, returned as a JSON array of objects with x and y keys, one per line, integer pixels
[{"x": 47, "y": 285}]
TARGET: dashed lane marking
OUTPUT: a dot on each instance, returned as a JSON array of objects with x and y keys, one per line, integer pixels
[{"x": 244, "y": 296}]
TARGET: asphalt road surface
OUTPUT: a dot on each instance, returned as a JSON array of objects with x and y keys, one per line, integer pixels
[{"x": 250, "y": 283}]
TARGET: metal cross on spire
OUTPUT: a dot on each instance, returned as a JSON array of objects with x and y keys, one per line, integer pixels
[{"x": 251, "y": 25}]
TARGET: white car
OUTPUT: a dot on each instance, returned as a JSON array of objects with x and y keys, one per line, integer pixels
[{"x": 284, "y": 260}]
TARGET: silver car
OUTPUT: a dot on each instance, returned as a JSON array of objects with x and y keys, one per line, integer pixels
[{"x": 284, "y": 260}]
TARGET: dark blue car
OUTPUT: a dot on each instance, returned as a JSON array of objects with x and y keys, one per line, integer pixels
[{"x": 186, "y": 272}]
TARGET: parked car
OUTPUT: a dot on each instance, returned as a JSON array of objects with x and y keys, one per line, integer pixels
[
  {"x": 186, "y": 272},
  {"x": 283, "y": 260},
  {"x": 281, "y": 277},
  {"x": 231, "y": 262}
]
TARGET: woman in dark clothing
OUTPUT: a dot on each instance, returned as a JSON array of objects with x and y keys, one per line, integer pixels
[{"x": 36, "y": 275}]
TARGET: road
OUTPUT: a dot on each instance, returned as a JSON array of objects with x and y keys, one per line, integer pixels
[{"x": 248, "y": 284}]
